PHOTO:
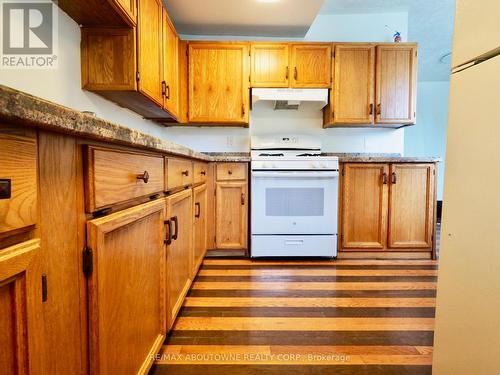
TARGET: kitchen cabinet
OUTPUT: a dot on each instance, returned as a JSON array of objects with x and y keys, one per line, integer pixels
[
  {"x": 411, "y": 206},
  {"x": 125, "y": 263},
  {"x": 270, "y": 65},
  {"x": 101, "y": 13},
  {"x": 395, "y": 90},
  {"x": 170, "y": 83},
  {"x": 20, "y": 304},
  {"x": 364, "y": 206},
  {"x": 352, "y": 96},
  {"x": 218, "y": 83},
  {"x": 388, "y": 206},
  {"x": 18, "y": 180},
  {"x": 127, "y": 9},
  {"x": 311, "y": 65},
  {"x": 179, "y": 223},
  {"x": 200, "y": 172},
  {"x": 200, "y": 226},
  {"x": 178, "y": 173}
]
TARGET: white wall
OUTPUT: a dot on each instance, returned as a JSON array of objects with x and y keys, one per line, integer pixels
[{"x": 428, "y": 136}]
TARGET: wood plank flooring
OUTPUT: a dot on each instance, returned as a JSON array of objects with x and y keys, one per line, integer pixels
[{"x": 352, "y": 316}]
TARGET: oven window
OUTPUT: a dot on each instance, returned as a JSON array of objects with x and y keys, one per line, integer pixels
[{"x": 295, "y": 201}]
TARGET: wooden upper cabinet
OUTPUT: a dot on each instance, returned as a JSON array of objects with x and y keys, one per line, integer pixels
[
  {"x": 127, "y": 10},
  {"x": 126, "y": 289},
  {"x": 170, "y": 83},
  {"x": 364, "y": 206},
  {"x": 149, "y": 53},
  {"x": 20, "y": 309},
  {"x": 101, "y": 13},
  {"x": 353, "y": 84},
  {"x": 270, "y": 65},
  {"x": 411, "y": 205},
  {"x": 311, "y": 65},
  {"x": 396, "y": 84},
  {"x": 218, "y": 83}
]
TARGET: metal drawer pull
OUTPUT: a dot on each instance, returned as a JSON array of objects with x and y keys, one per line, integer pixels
[
  {"x": 144, "y": 177},
  {"x": 394, "y": 177},
  {"x": 198, "y": 209},
  {"x": 176, "y": 231},
  {"x": 185, "y": 173},
  {"x": 229, "y": 172},
  {"x": 384, "y": 178},
  {"x": 203, "y": 173},
  {"x": 242, "y": 199},
  {"x": 371, "y": 108},
  {"x": 294, "y": 242},
  {"x": 168, "y": 241}
]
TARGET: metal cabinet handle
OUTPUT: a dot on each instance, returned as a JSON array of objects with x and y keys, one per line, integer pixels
[
  {"x": 144, "y": 177},
  {"x": 230, "y": 172},
  {"x": 379, "y": 109},
  {"x": 163, "y": 88},
  {"x": 287, "y": 73},
  {"x": 167, "y": 92},
  {"x": 203, "y": 173},
  {"x": 168, "y": 240},
  {"x": 242, "y": 199},
  {"x": 384, "y": 178},
  {"x": 176, "y": 231},
  {"x": 243, "y": 110},
  {"x": 371, "y": 108},
  {"x": 198, "y": 209},
  {"x": 185, "y": 173},
  {"x": 295, "y": 73},
  {"x": 394, "y": 177}
]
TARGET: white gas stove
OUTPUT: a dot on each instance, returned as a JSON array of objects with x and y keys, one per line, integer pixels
[{"x": 294, "y": 198}]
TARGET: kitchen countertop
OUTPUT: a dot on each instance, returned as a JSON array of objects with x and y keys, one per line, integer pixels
[{"x": 24, "y": 109}]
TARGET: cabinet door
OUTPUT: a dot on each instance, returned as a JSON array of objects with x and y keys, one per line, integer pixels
[
  {"x": 20, "y": 302},
  {"x": 170, "y": 82},
  {"x": 411, "y": 208},
  {"x": 127, "y": 318},
  {"x": 179, "y": 250},
  {"x": 231, "y": 215},
  {"x": 364, "y": 206},
  {"x": 149, "y": 49},
  {"x": 127, "y": 9},
  {"x": 218, "y": 83},
  {"x": 353, "y": 80},
  {"x": 200, "y": 226},
  {"x": 396, "y": 84},
  {"x": 269, "y": 66},
  {"x": 311, "y": 65}
]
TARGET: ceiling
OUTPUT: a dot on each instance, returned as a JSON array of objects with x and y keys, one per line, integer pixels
[{"x": 284, "y": 18}]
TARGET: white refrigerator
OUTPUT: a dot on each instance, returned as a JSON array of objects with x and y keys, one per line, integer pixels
[{"x": 467, "y": 333}]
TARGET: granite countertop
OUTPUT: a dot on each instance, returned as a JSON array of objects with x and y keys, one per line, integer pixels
[{"x": 28, "y": 110}]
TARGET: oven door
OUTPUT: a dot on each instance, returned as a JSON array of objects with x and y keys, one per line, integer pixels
[{"x": 294, "y": 202}]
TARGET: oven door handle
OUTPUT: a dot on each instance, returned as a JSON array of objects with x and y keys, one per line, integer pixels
[{"x": 295, "y": 174}]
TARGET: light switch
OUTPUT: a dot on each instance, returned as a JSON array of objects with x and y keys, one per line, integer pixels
[{"x": 4, "y": 188}]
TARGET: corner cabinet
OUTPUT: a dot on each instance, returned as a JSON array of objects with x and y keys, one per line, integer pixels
[
  {"x": 126, "y": 278},
  {"x": 388, "y": 207},
  {"x": 219, "y": 83}
]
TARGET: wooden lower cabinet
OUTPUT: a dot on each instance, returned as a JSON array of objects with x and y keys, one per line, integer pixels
[
  {"x": 179, "y": 250},
  {"x": 200, "y": 226},
  {"x": 231, "y": 215},
  {"x": 20, "y": 304},
  {"x": 388, "y": 207},
  {"x": 127, "y": 317}
]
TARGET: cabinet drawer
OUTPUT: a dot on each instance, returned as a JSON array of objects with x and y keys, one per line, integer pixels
[
  {"x": 18, "y": 179},
  {"x": 200, "y": 172},
  {"x": 178, "y": 173},
  {"x": 115, "y": 176},
  {"x": 231, "y": 171}
]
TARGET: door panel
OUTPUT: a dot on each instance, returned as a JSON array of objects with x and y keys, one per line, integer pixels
[
  {"x": 126, "y": 289},
  {"x": 270, "y": 66},
  {"x": 396, "y": 84},
  {"x": 218, "y": 83},
  {"x": 149, "y": 49},
  {"x": 232, "y": 211},
  {"x": 411, "y": 207},
  {"x": 200, "y": 226},
  {"x": 179, "y": 251},
  {"x": 20, "y": 308},
  {"x": 353, "y": 84},
  {"x": 311, "y": 65},
  {"x": 170, "y": 66},
  {"x": 364, "y": 208}
]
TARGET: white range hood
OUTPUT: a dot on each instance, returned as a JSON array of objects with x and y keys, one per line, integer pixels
[{"x": 291, "y": 98}]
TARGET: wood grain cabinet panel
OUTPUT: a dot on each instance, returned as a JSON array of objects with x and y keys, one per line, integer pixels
[
  {"x": 218, "y": 83},
  {"x": 270, "y": 65},
  {"x": 364, "y": 206},
  {"x": 396, "y": 84},
  {"x": 200, "y": 172},
  {"x": 200, "y": 226},
  {"x": 127, "y": 9},
  {"x": 353, "y": 84},
  {"x": 411, "y": 205},
  {"x": 231, "y": 215},
  {"x": 311, "y": 65},
  {"x": 170, "y": 83},
  {"x": 20, "y": 308},
  {"x": 179, "y": 250},
  {"x": 178, "y": 173},
  {"x": 18, "y": 175},
  {"x": 114, "y": 176},
  {"x": 127, "y": 289}
]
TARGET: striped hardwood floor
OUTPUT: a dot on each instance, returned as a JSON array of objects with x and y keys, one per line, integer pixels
[{"x": 350, "y": 316}]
